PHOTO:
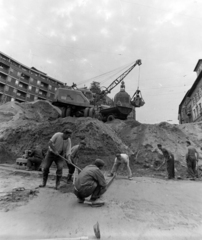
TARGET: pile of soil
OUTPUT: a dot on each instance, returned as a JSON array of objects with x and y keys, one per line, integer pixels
[{"x": 24, "y": 125}]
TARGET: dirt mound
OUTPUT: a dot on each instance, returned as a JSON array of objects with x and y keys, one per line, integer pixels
[
  {"x": 27, "y": 124},
  {"x": 101, "y": 140},
  {"x": 36, "y": 111}
]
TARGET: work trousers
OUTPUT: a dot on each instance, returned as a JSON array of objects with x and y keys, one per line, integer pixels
[
  {"x": 71, "y": 167},
  {"x": 33, "y": 160},
  {"x": 191, "y": 167},
  {"x": 117, "y": 165},
  {"x": 49, "y": 159},
  {"x": 171, "y": 168},
  {"x": 95, "y": 191}
]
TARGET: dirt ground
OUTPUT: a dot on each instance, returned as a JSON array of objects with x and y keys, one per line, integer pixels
[{"x": 145, "y": 208}]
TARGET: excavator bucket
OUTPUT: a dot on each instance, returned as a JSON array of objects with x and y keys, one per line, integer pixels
[{"x": 137, "y": 100}]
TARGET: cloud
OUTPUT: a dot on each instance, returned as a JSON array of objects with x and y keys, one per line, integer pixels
[{"x": 70, "y": 35}]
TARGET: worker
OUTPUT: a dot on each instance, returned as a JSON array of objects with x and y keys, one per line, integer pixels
[
  {"x": 90, "y": 182},
  {"x": 169, "y": 160},
  {"x": 74, "y": 158},
  {"x": 35, "y": 158},
  {"x": 121, "y": 158},
  {"x": 191, "y": 159},
  {"x": 59, "y": 145}
]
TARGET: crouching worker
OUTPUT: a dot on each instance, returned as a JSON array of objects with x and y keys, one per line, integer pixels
[
  {"x": 59, "y": 145},
  {"x": 90, "y": 182},
  {"x": 34, "y": 159}
]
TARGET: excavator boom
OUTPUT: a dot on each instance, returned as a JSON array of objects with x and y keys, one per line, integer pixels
[{"x": 120, "y": 78}]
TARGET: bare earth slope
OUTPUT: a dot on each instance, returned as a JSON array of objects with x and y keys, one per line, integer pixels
[{"x": 27, "y": 124}]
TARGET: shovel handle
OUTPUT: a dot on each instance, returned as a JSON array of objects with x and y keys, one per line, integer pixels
[{"x": 79, "y": 169}]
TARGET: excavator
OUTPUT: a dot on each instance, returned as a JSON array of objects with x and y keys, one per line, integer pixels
[{"x": 80, "y": 102}]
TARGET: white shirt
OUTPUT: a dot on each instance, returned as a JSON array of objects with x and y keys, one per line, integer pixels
[
  {"x": 124, "y": 159},
  {"x": 61, "y": 145}
]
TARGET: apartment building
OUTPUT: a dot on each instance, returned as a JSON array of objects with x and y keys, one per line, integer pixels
[
  {"x": 190, "y": 109},
  {"x": 21, "y": 83}
]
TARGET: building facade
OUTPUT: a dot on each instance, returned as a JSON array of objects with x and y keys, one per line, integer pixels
[
  {"x": 21, "y": 83},
  {"x": 190, "y": 109}
]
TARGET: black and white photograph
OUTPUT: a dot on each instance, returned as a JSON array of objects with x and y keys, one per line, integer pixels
[{"x": 100, "y": 120}]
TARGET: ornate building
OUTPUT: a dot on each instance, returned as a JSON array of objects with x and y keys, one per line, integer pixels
[{"x": 190, "y": 109}]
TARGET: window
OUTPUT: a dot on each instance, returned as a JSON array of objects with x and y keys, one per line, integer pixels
[
  {"x": 9, "y": 79},
  {"x": 28, "y": 95},
  {"x": 199, "y": 107},
  {"x": 35, "y": 98},
  {"x": 197, "y": 111},
  {"x": 194, "y": 113},
  {"x": 16, "y": 82},
  {"x": 30, "y": 87},
  {"x": 31, "y": 79},
  {"x": 200, "y": 92},
  {"x": 38, "y": 82},
  {"x": 55, "y": 89},
  {"x": 194, "y": 100},
  {"x": 14, "y": 90},
  {"x": 6, "y": 88},
  {"x": 12, "y": 99},
  {"x": 11, "y": 70},
  {"x": 37, "y": 90},
  {"x": 197, "y": 96},
  {"x": 18, "y": 74},
  {"x": 49, "y": 87}
]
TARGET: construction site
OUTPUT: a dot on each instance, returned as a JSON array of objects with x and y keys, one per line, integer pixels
[
  {"x": 100, "y": 120},
  {"x": 147, "y": 207}
]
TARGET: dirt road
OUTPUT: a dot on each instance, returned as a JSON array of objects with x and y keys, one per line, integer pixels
[{"x": 144, "y": 209}]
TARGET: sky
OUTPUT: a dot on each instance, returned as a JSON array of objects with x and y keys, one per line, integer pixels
[{"x": 81, "y": 40}]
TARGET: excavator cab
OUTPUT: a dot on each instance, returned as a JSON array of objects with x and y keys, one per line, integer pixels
[{"x": 137, "y": 99}]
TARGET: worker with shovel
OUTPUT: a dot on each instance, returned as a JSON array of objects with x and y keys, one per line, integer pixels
[
  {"x": 191, "y": 159},
  {"x": 74, "y": 159},
  {"x": 59, "y": 147},
  {"x": 90, "y": 182},
  {"x": 169, "y": 160},
  {"x": 121, "y": 158}
]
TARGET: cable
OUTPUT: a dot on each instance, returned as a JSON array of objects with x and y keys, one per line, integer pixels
[{"x": 104, "y": 74}]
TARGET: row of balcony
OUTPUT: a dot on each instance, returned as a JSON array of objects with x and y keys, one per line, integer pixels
[
  {"x": 5, "y": 65},
  {"x": 24, "y": 79},
  {"x": 41, "y": 94},
  {"x": 20, "y": 96},
  {"x": 24, "y": 87}
]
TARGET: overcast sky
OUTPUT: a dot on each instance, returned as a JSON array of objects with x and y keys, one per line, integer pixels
[{"x": 77, "y": 40}]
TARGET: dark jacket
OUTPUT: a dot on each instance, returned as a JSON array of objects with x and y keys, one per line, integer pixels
[{"x": 90, "y": 176}]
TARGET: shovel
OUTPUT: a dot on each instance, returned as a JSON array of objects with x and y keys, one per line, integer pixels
[{"x": 79, "y": 169}]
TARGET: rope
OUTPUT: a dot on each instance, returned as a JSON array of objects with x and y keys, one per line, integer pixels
[{"x": 138, "y": 78}]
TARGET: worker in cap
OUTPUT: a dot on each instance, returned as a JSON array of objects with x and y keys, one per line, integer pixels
[
  {"x": 192, "y": 160},
  {"x": 59, "y": 146},
  {"x": 121, "y": 159},
  {"x": 74, "y": 159},
  {"x": 90, "y": 182},
  {"x": 169, "y": 160}
]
